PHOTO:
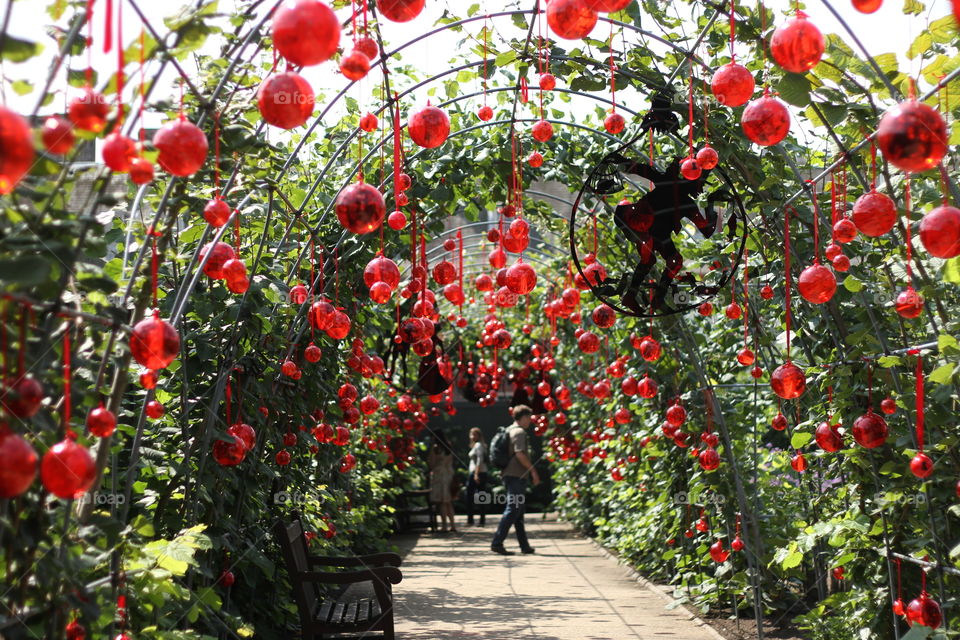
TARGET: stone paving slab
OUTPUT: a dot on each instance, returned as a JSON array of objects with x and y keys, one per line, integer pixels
[{"x": 454, "y": 587}]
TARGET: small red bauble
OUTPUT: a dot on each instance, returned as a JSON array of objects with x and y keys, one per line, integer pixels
[
  {"x": 832, "y": 251},
  {"x": 844, "y": 231},
  {"x": 354, "y": 65},
  {"x": 141, "y": 171},
  {"x": 148, "y": 379},
  {"x": 766, "y": 292},
  {"x": 483, "y": 282},
  {"x": 101, "y": 422},
  {"x": 339, "y": 325},
  {"x": 283, "y": 459},
  {"x": 766, "y": 120},
  {"x": 604, "y": 316},
  {"x": 614, "y": 123},
  {"x": 710, "y": 460},
  {"x": 676, "y": 415},
  {"x": 867, "y": 6},
  {"x": 588, "y": 342},
  {"x": 154, "y": 410},
  {"x": 888, "y": 406},
  {"x": 571, "y": 19},
  {"x": 497, "y": 258},
  {"x": 817, "y": 284},
  {"x": 875, "y": 213},
  {"x": 746, "y": 357},
  {"x": 216, "y": 212},
  {"x": 732, "y": 85},
  {"x": 547, "y": 82},
  {"x": 925, "y": 610},
  {"x": 67, "y": 469},
  {"x": 828, "y": 437},
  {"x": 396, "y": 220},
  {"x": 449, "y": 244},
  {"x": 788, "y": 381},
  {"x": 220, "y": 253},
  {"x": 841, "y": 263},
  {"x": 779, "y": 422},
  {"x": 520, "y": 228},
  {"x": 521, "y": 278},
  {"x": 16, "y": 149},
  {"x": 733, "y": 311},
  {"x": 647, "y": 387},
  {"x": 921, "y": 465},
  {"x": 535, "y": 159},
  {"x": 707, "y": 157},
  {"x": 870, "y": 430},
  {"x": 360, "y": 208},
  {"x": 705, "y": 309},
  {"x": 429, "y": 127},
  {"x": 718, "y": 553},
  {"x": 305, "y": 32},
  {"x": 799, "y": 463},
  {"x": 154, "y": 342},
  {"x": 246, "y": 434},
  {"x": 912, "y": 136},
  {"x": 312, "y": 353},
  {"x": 229, "y": 453},
  {"x": 899, "y": 607},
  {"x": 285, "y": 100},
  {"x": 837, "y": 573},
  {"x": 737, "y": 544},
  {"x": 650, "y": 349},
  {"x": 444, "y": 273},
  {"x": 369, "y": 122},
  {"x": 88, "y": 111},
  {"x": 909, "y": 303},
  {"x": 320, "y": 315},
  {"x": 485, "y": 113},
  {"x": 57, "y": 135},
  {"x": 798, "y": 45},
  {"x": 400, "y": 10},
  {"x": 18, "y": 463},
  {"x": 940, "y": 232},
  {"x": 368, "y": 46},
  {"x": 689, "y": 169},
  {"x": 75, "y": 631},
  {"x": 22, "y": 397},
  {"x": 118, "y": 152},
  {"x": 542, "y": 130},
  {"x": 182, "y": 147}
]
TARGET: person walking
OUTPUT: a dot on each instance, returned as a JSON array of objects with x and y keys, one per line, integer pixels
[
  {"x": 515, "y": 475},
  {"x": 477, "y": 480},
  {"x": 440, "y": 462}
]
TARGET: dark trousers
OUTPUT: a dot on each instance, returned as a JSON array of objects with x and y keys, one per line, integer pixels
[
  {"x": 513, "y": 514},
  {"x": 477, "y": 497}
]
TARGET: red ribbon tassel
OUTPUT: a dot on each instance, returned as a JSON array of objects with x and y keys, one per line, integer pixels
[
  {"x": 66, "y": 382},
  {"x": 786, "y": 263},
  {"x": 920, "y": 403}
]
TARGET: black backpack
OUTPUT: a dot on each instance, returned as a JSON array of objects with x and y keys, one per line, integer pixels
[{"x": 500, "y": 448}]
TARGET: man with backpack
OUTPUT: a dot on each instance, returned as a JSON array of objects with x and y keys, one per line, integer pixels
[{"x": 509, "y": 451}]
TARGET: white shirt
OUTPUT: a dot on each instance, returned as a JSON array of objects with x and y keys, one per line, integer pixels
[{"x": 478, "y": 458}]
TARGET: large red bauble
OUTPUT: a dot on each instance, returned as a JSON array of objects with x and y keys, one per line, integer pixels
[
  {"x": 429, "y": 127},
  {"x": 676, "y": 415},
  {"x": 588, "y": 342},
  {"x": 22, "y": 397},
  {"x": 220, "y": 253},
  {"x": 312, "y": 353},
  {"x": 216, "y": 212},
  {"x": 305, "y": 32},
  {"x": 535, "y": 159},
  {"x": 381, "y": 269},
  {"x": 912, "y": 136},
  {"x": 650, "y": 349},
  {"x": 779, "y": 422},
  {"x": 732, "y": 85},
  {"x": 182, "y": 147},
  {"x": 718, "y": 553},
  {"x": 521, "y": 278},
  {"x": 57, "y": 135},
  {"x": 18, "y": 464},
  {"x": 707, "y": 157},
  {"x": 67, "y": 469},
  {"x": 909, "y": 303},
  {"x": 246, "y": 434},
  {"x": 485, "y": 113},
  {"x": 925, "y": 610},
  {"x": 614, "y": 123},
  {"x": 360, "y": 208},
  {"x": 369, "y": 122},
  {"x": 118, "y": 152},
  {"x": 870, "y": 430},
  {"x": 710, "y": 460},
  {"x": 101, "y": 422},
  {"x": 229, "y": 453},
  {"x": 604, "y": 316},
  {"x": 520, "y": 228},
  {"x": 766, "y": 120},
  {"x": 844, "y": 231},
  {"x": 571, "y": 19},
  {"x": 542, "y": 130},
  {"x": 483, "y": 283},
  {"x": 867, "y": 6},
  {"x": 88, "y": 111},
  {"x": 497, "y": 258},
  {"x": 817, "y": 284},
  {"x": 547, "y": 82},
  {"x": 940, "y": 232},
  {"x": 354, "y": 65},
  {"x": 154, "y": 410},
  {"x": 799, "y": 463},
  {"x": 454, "y": 294},
  {"x": 321, "y": 315},
  {"x": 746, "y": 357},
  {"x": 647, "y": 387},
  {"x": 16, "y": 149},
  {"x": 400, "y": 10},
  {"x": 154, "y": 343},
  {"x": 874, "y": 213},
  {"x": 689, "y": 169},
  {"x": 608, "y": 6},
  {"x": 921, "y": 465},
  {"x": 798, "y": 45},
  {"x": 444, "y": 273},
  {"x": 285, "y": 100},
  {"x": 828, "y": 437},
  {"x": 339, "y": 325},
  {"x": 788, "y": 381},
  {"x": 141, "y": 171},
  {"x": 514, "y": 243}
]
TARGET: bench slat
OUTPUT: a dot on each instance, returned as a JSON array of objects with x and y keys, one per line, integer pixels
[
  {"x": 363, "y": 610},
  {"x": 324, "y": 613},
  {"x": 350, "y": 615},
  {"x": 337, "y": 616}
]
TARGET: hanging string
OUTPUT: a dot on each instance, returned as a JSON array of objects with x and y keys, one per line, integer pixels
[
  {"x": 746, "y": 299},
  {"x": 613, "y": 78},
  {"x": 3, "y": 339},
  {"x": 690, "y": 107},
  {"x": 154, "y": 265},
  {"x": 460, "y": 268},
  {"x": 216, "y": 154},
  {"x": 786, "y": 262},
  {"x": 143, "y": 93},
  {"x": 906, "y": 225},
  {"x": 236, "y": 230},
  {"x": 816, "y": 222},
  {"x": 336, "y": 275},
  {"x": 870, "y": 384},
  {"x": 121, "y": 77},
  {"x": 89, "y": 71},
  {"x": 22, "y": 350},
  {"x": 920, "y": 403},
  {"x": 108, "y": 27},
  {"x": 66, "y": 384},
  {"x": 322, "y": 269},
  {"x": 733, "y": 29},
  {"x": 525, "y": 93},
  {"x": 485, "y": 27},
  {"x": 228, "y": 397},
  {"x": 873, "y": 164},
  {"x": 833, "y": 199}
]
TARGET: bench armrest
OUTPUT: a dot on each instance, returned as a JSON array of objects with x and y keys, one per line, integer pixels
[
  {"x": 372, "y": 560},
  {"x": 390, "y": 575}
]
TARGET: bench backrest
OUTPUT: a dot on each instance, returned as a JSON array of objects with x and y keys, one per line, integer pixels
[{"x": 294, "y": 549}]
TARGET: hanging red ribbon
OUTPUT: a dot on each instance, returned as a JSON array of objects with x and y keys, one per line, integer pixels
[
  {"x": 786, "y": 262},
  {"x": 906, "y": 225},
  {"x": 524, "y": 90},
  {"x": 66, "y": 384},
  {"x": 733, "y": 29},
  {"x": 920, "y": 403}
]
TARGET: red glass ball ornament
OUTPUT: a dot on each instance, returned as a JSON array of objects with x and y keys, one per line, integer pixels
[
  {"x": 354, "y": 65},
  {"x": 396, "y": 220},
  {"x": 148, "y": 379},
  {"x": 788, "y": 381},
  {"x": 305, "y": 32},
  {"x": 141, "y": 171},
  {"x": 101, "y": 422},
  {"x": 676, "y": 415},
  {"x": 312, "y": 353},
  {"x": 429, "y": 127},
  {"x": 382, "y": 269},
  {"x": 483, "y": 282},
  {"x": 588, "y": 342},
  {"x": 18, "y": 463},
  {"x": 286, "y": 100},
  {"x": 400, "y": 10},
  {"x": 650, "y": 349},
  {"x": 497, "y": 258},
  {"x": 766, "y": 120},
  {"x": 870, "y": 430},
  {"x": 571, "y": 19},
  {"x": 369, "y": 122},
  {"x": 841, "y": 263},
  {"x": 360, "y": 208},
  {"x": 515, "y": 244},
  {"x": 844, "y": 231},
  {"x": 22, "y": 397},
  {"x": 899, "y": 607},
  {"x": 940, "y": 232},
  {"x": 57, "y": 135},
  {"x": 154, "y": 410},
  {"x": 707, "y": 157},
  {"x": 230, "y": 452},
  {"x": 756, "y": 372},
  {"x": 521, "y": 278},
  {"x": 875, "y": 213},
  {"x": 689, "y": 169},
  {"x": 88, "y": 111},
  {"x": 369, "y": 404},
  {"x": 321, "y": 315},
  {"x": 629, "y": 386},
  {"x": 339, "y": 325},
  {"x": 705, "y": 309},
  {"x": 746, "y": 357},
  {"x": 246, "y": 434},
  {"x": 647, "y": 387},
  {"x": 67, "y": 469},
  {"x": 909, "y": 303},
  {"x": 444, "y": 273},
  {"x": 921, "y": 465},
  {"x": 402, "y": 199},
  {"x": 867, "y": 6},
  {"x": 799, "y": 463},
  {"x": 614, "y": 123},
  {"x": 369, "y": 47},
  {"x": 733, "y": 311},
  {"x": 449, "y": 244},
  {"x": 832, "y": 251},
  {"x": 608, "y": 6},
  {"x": 828, "y": 437},
  {"x": 766, "y": 292},
  {"x": 912, "y": 136},
  {"x": 283, "y": 459},
  {"x": 16, "y": 149},
  {"x": 520, "y": 228},
  {"x": 75, "y": 631},
  {"x": 779, "y": 422},
  {"x": 220, "y": 253},
  {"x": 798, "y": 45},
  {"x": 888, "y": 405},
  {"x": 737, "y": 544},
  {"x": 817, "y": 284},
  {"x": 485, "y": 113},
  {"x": 604, "y": 316},
  {"x": 925, "y": 610},
  {"x": 732, "y": 85},
  {"x": 542, "y": 130},
  {"x": 535, "y": 159},
  {"x": 154, "y": 342},
  {"x": 710, "y": 460},
  {"x": 182, "y": 147},
  {"x": 234, "y": 269},
  {"x": 718, "y": 553},
  {"x": 216, "y": 212}
]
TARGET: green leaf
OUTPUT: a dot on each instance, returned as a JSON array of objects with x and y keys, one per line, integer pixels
[
  {"x": 889, "y": 361},
  {"x": 946, "y": 342},
  {"x": 21, "y": 87},
  {"x": 794, "y": 89},
  {"x": 17, "y": 50},
  {"x": 28, "y": 270},
  {"x": 912, "y": 7},
  {"x": 920, "y": 45},
  {"x": 951, "y": 270},
  {"x": 793, "y": 559},
  {"x": 942, "y": 374},
  {"x": 800, "y": 439},
  {"x": 852, "y": 284}
]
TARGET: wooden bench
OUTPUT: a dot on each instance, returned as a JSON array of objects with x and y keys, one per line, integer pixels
[
  {"x": 323, "y": 613},
  {"x": 408, "y": 507}
]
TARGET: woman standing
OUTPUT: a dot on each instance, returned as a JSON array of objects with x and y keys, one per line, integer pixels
[
  {"x": 477, "y": 480},
  {"x": 440, "y": 461}
]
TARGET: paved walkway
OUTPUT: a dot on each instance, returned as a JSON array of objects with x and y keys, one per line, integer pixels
[{"x": 454, "y": 587}]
